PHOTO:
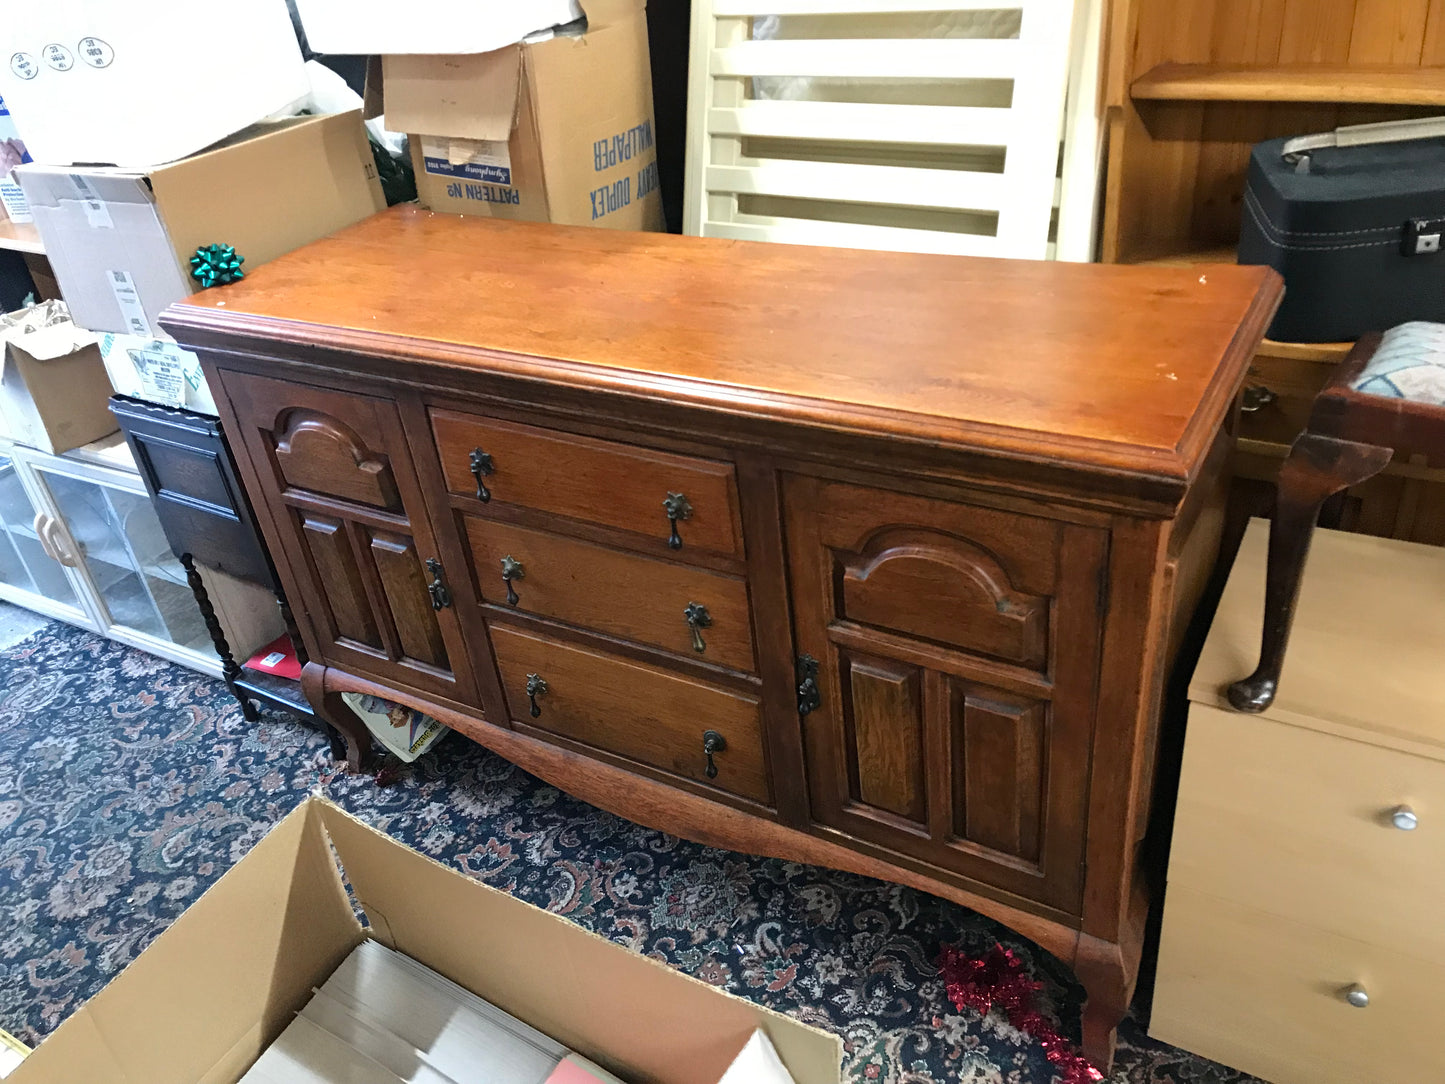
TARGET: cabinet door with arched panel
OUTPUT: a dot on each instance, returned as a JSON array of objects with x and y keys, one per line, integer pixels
[
  {"x": 957, "y": 656},
  {"x": 345, "y": 506}
]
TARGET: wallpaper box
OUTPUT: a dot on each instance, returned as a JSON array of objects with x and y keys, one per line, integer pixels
[
  {"x": 120, "y": 240},
  {"x": 559, "y": 130},
  {"x": 212, "y": 992}
]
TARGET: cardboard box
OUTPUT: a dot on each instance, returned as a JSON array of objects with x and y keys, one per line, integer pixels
[
  {"x": 552, "y": 131},
  {"x": 121, "y": 240},
  {"x": 213, "y": 991},
  {"x": 54, "y": 390},
  {"x": 135, "y": 84},
  {"x": 157, "y": 370}
]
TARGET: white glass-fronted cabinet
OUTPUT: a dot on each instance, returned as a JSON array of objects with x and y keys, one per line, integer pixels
[{"x": 82, "y": 543}]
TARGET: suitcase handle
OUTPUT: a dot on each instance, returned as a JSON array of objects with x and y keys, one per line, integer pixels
[{"x": 1297, "y": 150}]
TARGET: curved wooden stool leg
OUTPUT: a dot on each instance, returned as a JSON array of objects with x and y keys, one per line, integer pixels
[
  {"x": 332, "y": 710},
  {"x": 1317, "y": 468}
]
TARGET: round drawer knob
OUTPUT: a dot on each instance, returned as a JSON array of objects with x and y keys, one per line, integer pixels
[
  {"x": 1357, "y": 996},
  {"x": 1403, "y": 818}
]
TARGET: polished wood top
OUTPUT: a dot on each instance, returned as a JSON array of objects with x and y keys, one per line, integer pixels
[{"x": 1127, "y": 368}]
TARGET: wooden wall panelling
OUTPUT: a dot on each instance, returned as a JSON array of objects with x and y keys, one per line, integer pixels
[{"x": 1432, "y": 48}]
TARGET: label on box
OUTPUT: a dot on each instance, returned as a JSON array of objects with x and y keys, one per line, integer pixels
[
  {"x": 487, "y": 161},
  {"x": 127, "y": 297},
  {"x": 162, "y": 374},
  {"x": 270, "y": 661},
  {"x": 12, "y": 198},
  {"x": 97, "y": 214}
]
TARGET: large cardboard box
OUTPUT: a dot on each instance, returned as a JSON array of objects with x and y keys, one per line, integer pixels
[
  {"x": 120, "y": 240},
  {"x": 203, "y": 1001},
  {"x": 134, "y": 84},
  {"x": 54, "y": 390},
  {"x": 559, "y": 130}
]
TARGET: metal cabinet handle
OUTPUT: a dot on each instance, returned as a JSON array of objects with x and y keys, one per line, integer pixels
[
  {"x": 1403, "y": 818},
  {"x": 712, "y": 742},
  {"x": 677, "y": 507},
  {"x": 536, "y": 686},
  {"x": 441, "y": 598},
  {"x": 697, "y": 619},
  {"x": 1356, "y": 995},
  {"x": 512, "y": 570},
  {"x": 480, "y": 464},
  {"x": 1255, "y": 398}
]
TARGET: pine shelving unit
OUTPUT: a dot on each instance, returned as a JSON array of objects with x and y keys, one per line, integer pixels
[{"x": 1190, "y": 87}]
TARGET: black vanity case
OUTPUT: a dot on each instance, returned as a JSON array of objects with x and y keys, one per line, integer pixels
[{"x": 1353, "y": 220}]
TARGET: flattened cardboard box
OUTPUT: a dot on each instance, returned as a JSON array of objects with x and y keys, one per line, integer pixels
[
  {"x": 135, "y": 84},
  {"x": 213, "y": 991},
  {"x": 553, "y": 131},
  {"x": 120, "y": 240}
]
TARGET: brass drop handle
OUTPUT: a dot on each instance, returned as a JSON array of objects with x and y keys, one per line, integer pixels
[
  {"x": 512, "y": 570},
  {"x": 1255, "y": 398},
  {"x": 536, "y": 686},
  {"x": 712, "y": 742},
  {"x": 677, "y": 507},
  {"x": 481, "y": 467},
  {"x": 441, "y": 598},
  {"x": 697, "y": 619}
]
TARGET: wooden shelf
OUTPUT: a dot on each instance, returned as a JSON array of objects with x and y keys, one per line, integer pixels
[
  {"x": 20, "y": 236},
  {"x": 1291, "y": 83}
]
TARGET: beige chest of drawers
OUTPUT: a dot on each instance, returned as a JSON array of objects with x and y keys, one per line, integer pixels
[{"x": 1304, "y": 924}]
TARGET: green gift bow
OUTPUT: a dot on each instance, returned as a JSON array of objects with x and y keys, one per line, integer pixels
[{"x": 216, "y": 265}]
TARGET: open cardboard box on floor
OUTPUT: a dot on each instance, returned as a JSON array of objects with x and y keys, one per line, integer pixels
[{"x": 202, "y": 1002}]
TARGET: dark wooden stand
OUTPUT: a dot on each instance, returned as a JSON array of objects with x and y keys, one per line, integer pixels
[{"x": 189, "y": 472}]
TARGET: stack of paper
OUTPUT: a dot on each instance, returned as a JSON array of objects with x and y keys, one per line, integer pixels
[{"x": 383, "y": 1018}]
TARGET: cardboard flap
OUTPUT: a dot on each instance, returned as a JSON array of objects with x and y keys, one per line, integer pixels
[
  {"x": 630, "y": 1013},
  {"x": 47, "y": 343},
  {"x": 208, "y": 995},
  {"x": 426, "y": 26},
  {"x": 604, "y": 13},
  {"x": 470, "y": 96}
]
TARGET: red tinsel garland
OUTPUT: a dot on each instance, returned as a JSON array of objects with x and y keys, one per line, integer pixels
[{"x": 999, "y": 981}]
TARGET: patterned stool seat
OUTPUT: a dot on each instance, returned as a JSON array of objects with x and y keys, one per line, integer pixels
[{"x": 1408, "y": 364}]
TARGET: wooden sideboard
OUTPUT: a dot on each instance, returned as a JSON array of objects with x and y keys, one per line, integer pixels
[{"x": 871, "y": 560}]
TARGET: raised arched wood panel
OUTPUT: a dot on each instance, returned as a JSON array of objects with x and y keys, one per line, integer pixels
[
  {"x": 939, "y": 587},
  {"x": 322, "y": 454}
]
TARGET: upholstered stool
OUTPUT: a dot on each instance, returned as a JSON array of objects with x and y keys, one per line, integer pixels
[{"x": 1388, "y": 394}]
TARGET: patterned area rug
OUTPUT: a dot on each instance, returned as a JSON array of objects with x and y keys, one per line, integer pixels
[{"x": 128, "y": 785}]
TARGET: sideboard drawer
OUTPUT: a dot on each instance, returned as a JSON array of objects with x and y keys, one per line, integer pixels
[
  {"x": 1266, "y": 995},
  {"x": 597, "y": 481},
  {"x": 634, "y": 710},
  {"x": 638, "y": 598},
  {"x": 1317, "y": 842}
]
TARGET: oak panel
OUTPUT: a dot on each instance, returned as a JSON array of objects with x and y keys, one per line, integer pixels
[
  {"x": 598, "y": 481},
  {"x": 1000, "y": 745},
  {"x": 638, "y": 711},
  {"x": 405, "y": 584},
  {"x": 613, "y": 591},
  {"x": 339, "y": 577},
  {"x": 887, "y": 724}
]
